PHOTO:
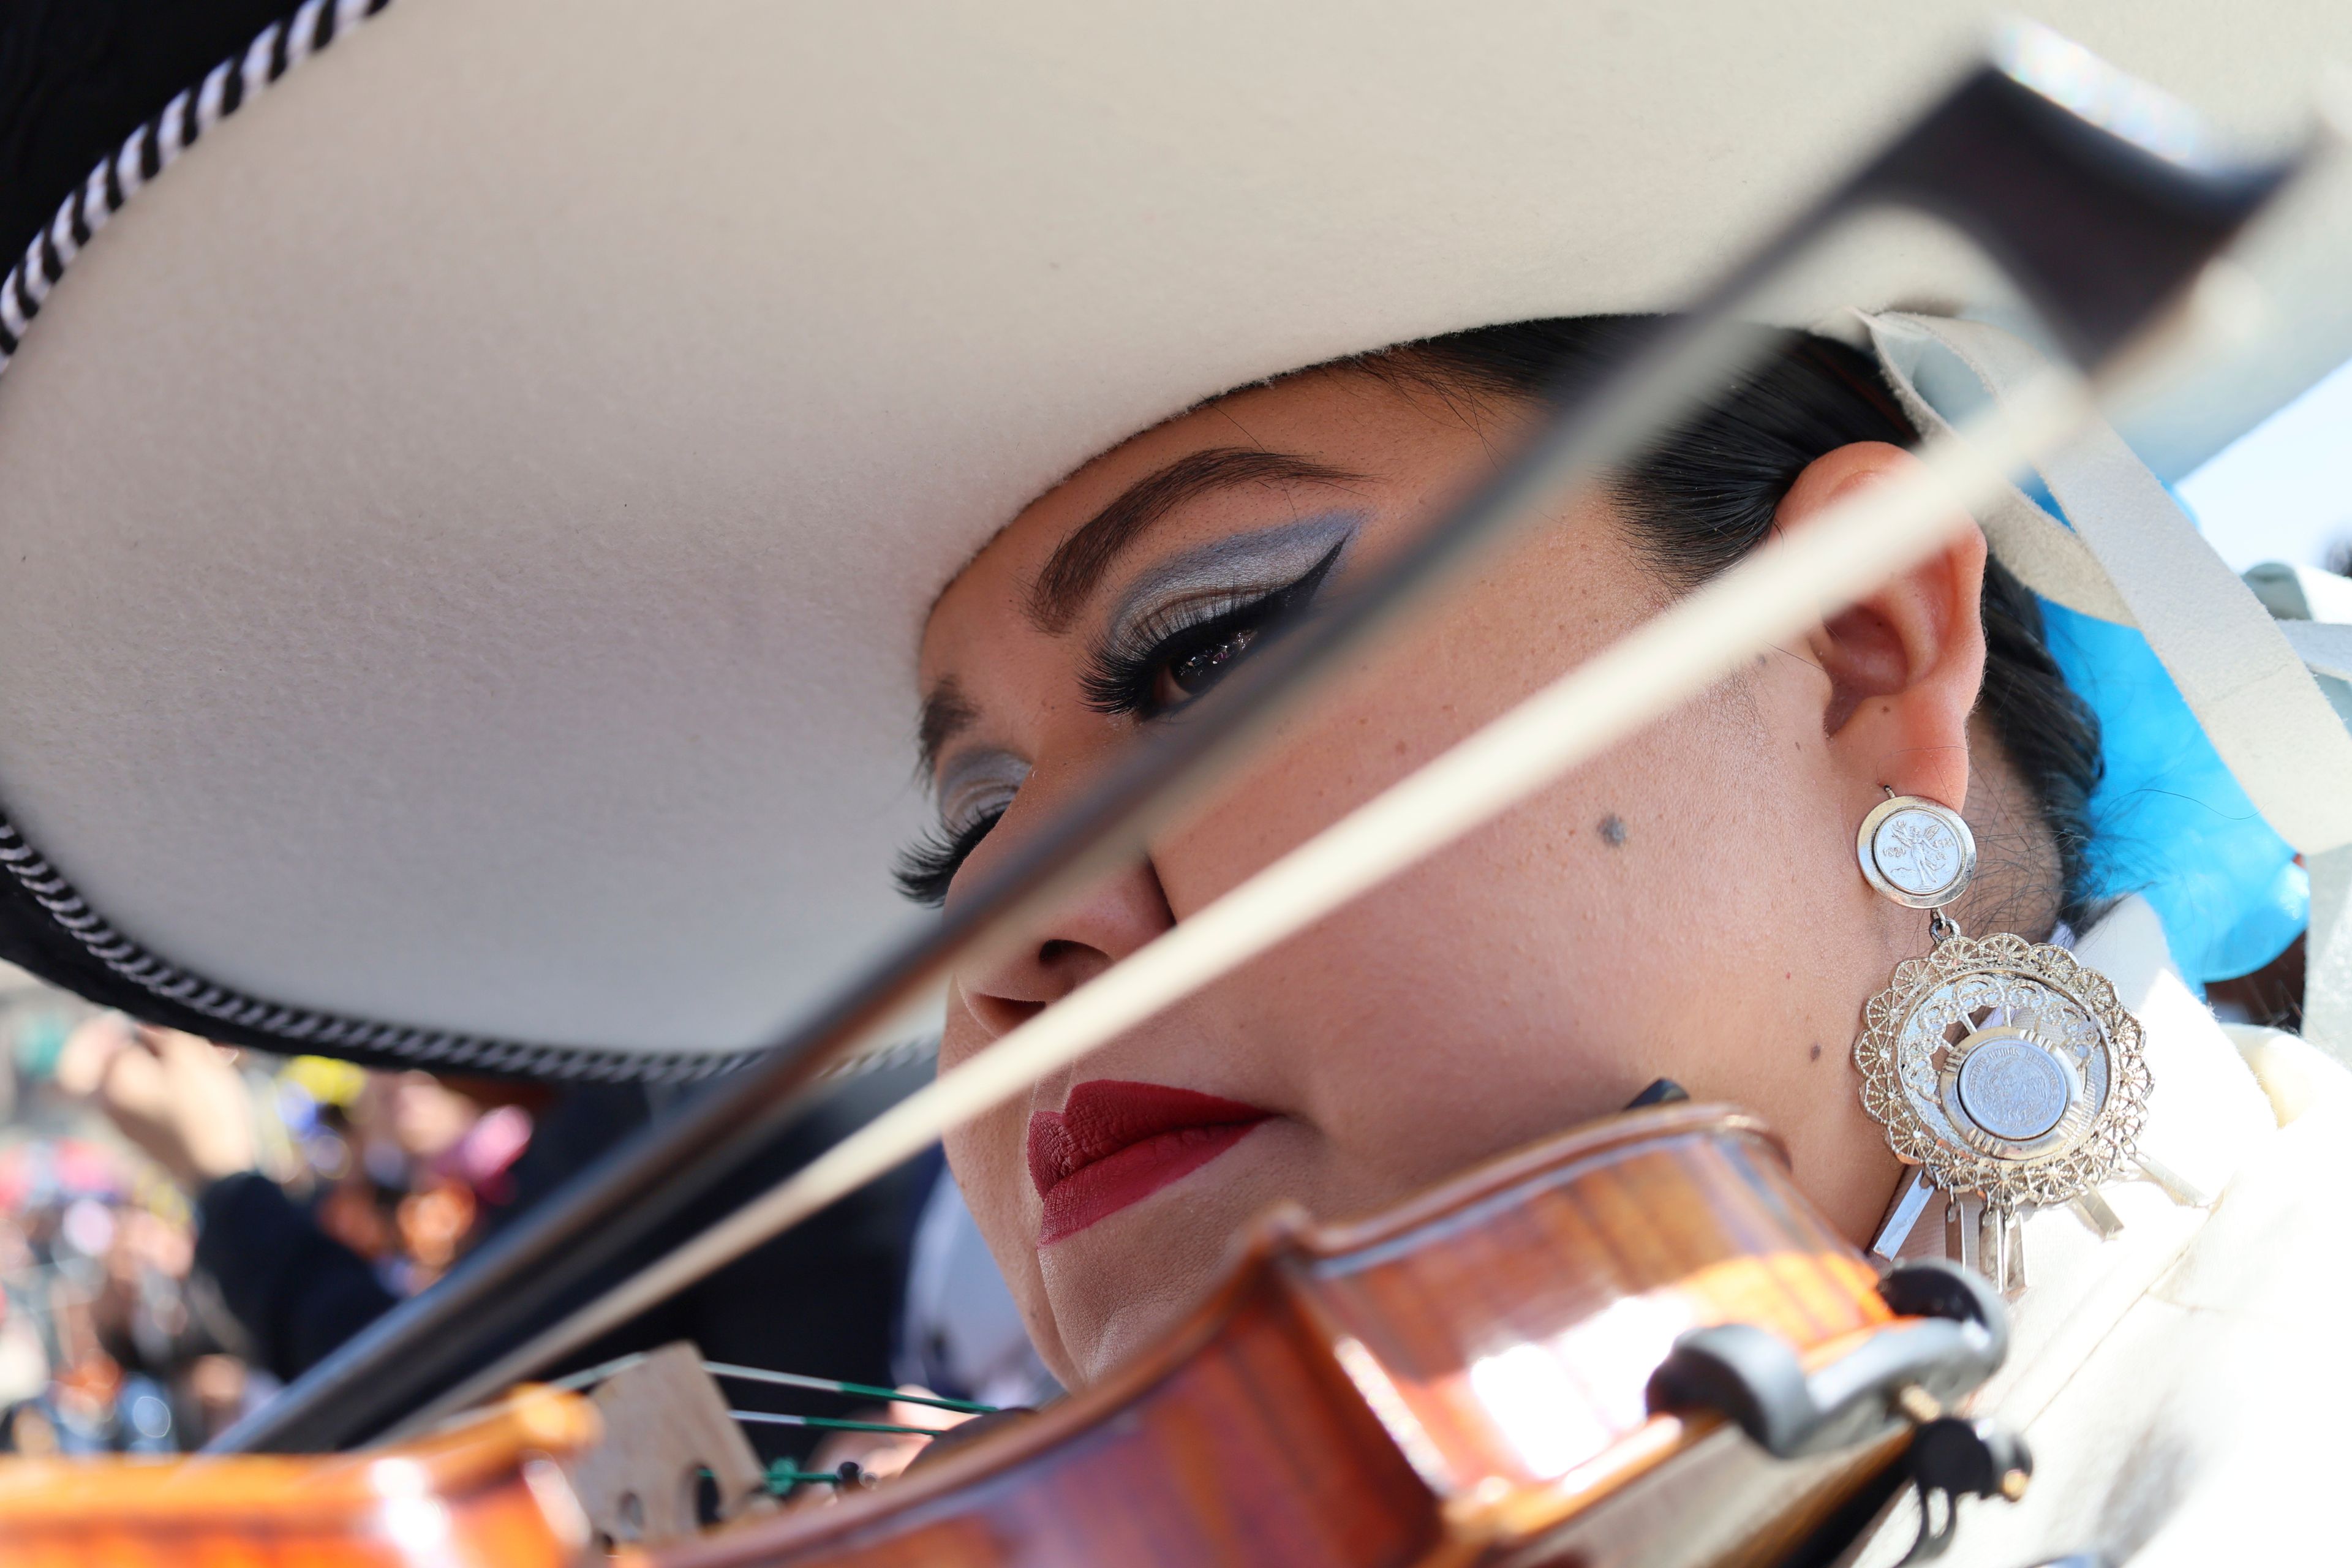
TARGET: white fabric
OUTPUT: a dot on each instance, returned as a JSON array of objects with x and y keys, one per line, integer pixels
[
  {"x": 960, "y": 1331},
  {"x": 2182, "y": 1386},
  {"x": 2327, "y": 953},
  {"x": 467, "y": 524},
  {"x": 2297, "y": 593},
  {"x": 2311, "y": 604},
  {"x": 2241, "y": 672},
  {"x": 2325, "y": 649}
]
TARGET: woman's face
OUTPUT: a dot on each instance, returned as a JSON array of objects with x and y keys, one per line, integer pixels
[{"x": 1687, "y": 906}]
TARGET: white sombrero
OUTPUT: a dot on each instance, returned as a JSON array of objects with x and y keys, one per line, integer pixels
[{"x": 467, "y": 525}]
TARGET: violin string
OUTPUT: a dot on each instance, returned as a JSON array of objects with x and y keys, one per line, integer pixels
[
  {"x": 572, "y": 1381},
  {"x": 1858, "y": 542},
  {"x": 834, "y": 1386},
  {"x": 588, "y": 1377},
  {"x": 828, "y": 1423}
]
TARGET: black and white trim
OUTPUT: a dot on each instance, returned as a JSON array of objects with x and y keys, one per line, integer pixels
[
  {"x": 155, "y": 145},
  {"x": 145, "y": 155},
  {"x": 301, "y": 1029}
]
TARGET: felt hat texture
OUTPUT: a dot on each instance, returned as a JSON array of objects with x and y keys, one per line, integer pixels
[{"x": 467, "y": 521}]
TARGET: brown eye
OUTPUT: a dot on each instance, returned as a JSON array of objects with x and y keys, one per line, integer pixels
[
  {"x": 1195, "y": 671},
  {"x": 1170, "y": 668}
]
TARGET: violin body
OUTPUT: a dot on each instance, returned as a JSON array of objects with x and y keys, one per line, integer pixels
[
  {"x": 1465, "y": 1379},
  {"x": 484, "y": 1494},
  {"x": 1487, "y": 1373}
]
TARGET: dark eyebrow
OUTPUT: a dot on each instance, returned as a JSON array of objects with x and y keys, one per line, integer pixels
[
  {"x": 946, "y": 713},
  {"x": 1079, "y": 561}
]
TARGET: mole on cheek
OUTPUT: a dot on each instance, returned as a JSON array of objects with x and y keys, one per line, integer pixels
[{"x": 1613, "y": 831}]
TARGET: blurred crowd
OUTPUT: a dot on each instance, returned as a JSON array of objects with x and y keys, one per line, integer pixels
[
  {"x": 184, "y": 1229},
  {"x": 112, "y": 1338}
]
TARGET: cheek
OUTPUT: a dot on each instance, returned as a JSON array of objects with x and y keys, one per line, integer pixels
[
  {"x": 1670, "y": 910},
  {"x": 985, "y": 1156}
]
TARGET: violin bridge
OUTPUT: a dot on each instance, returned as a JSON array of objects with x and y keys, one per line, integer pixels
[{"x": 664, "y": 1419}]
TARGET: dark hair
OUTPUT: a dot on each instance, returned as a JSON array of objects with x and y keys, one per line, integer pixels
[{"x": 1705, "y": 497}]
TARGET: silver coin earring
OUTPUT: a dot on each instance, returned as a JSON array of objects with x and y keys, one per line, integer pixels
[{"x": 2006, "y": 1074}]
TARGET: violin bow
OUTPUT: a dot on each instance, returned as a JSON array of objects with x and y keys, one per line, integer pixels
[{"x": 2097, "y": 196}]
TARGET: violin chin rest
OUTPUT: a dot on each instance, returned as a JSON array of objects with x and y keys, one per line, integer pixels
[{"x": 1955, "y": 1336}]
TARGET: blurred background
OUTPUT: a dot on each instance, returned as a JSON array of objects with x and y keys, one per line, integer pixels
[
  {"x": 185, "y": 1228},
  {"x": 112, "y": 1338},
  {"x": 2283, "y": 491}
]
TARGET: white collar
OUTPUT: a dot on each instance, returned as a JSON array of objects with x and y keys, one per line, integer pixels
[{"x": 2206, "y": 1114}]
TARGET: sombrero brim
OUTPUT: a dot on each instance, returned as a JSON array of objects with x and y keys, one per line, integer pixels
[{"x": 468, "y": 522}]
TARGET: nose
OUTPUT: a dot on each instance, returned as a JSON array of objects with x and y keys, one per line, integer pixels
[{"x": 1085, "y": 937}]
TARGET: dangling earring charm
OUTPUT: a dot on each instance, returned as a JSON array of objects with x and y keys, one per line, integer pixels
[{"x": 2006, "y": 1073}]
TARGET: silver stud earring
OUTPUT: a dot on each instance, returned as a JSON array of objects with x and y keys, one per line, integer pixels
[{"x": 2007, "y": 1075}]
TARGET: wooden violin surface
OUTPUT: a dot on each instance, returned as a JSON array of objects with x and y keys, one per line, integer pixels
[
  {"x": 1462, "y": 1378},
  {"x": 485, "y": 1494}
]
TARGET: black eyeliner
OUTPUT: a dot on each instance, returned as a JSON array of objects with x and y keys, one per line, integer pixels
[{"x": 1119, "y": 680}]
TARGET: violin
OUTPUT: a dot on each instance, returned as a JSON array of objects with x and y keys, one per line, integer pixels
[
  {"x": 1550, "y": 1359},
  {"x": 487, "y": 1492}
]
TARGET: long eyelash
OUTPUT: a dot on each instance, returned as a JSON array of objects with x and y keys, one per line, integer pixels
[
  {"x": 927, "y": 866},
  {"x": 1119, "y": 679},
  {"x": 1116, "y": 681}
]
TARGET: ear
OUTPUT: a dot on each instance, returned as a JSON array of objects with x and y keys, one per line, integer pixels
[{"x": 1904, "y": 663}]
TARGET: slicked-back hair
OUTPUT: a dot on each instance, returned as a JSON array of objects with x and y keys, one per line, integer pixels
[{"x": 1705, "y": 495}]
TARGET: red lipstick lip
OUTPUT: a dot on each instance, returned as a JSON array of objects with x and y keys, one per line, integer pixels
[{"x": 1116, "y": 1143}]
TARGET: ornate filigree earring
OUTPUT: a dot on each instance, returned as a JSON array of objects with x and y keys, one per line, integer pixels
[{"x": 2006, "y": 1074}]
